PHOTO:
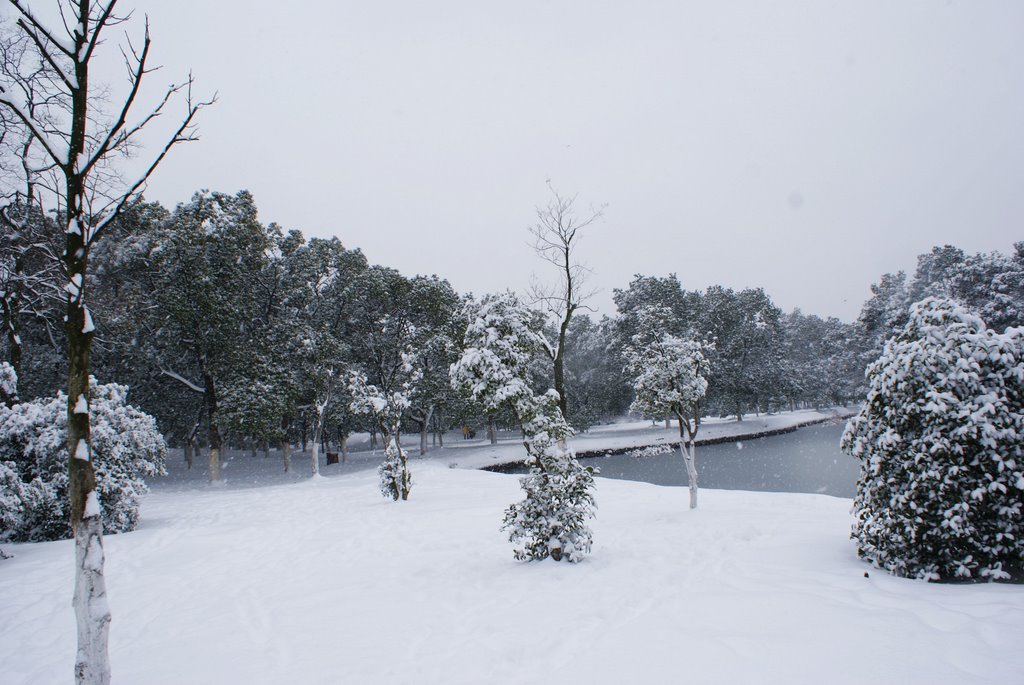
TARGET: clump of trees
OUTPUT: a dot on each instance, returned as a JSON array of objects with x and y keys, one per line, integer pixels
[{"x": 941, "y": 447}]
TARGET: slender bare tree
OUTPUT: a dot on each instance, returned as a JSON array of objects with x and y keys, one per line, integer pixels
[
  {"x": 555, "y": 238},
  {"x": 75, "y": 146}
]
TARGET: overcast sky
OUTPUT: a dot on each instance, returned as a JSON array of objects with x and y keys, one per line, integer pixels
[{"x": 806, "y": 147}]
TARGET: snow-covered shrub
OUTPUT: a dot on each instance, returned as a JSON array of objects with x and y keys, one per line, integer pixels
[
  {"x": 552, "y": 518},
  {"x": 495, "y": 369},
  {"x": 8, "y": 383},
  {"x": 651, "y": 451},
  {"x": 126, "y": 447},
  {"x": 395, "y": 479},
  {"x": 941, "y": 445},
  {"x": 10, "y": 496}
]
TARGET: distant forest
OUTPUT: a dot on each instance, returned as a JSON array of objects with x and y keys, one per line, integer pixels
[{"x": 221, "y": 324}]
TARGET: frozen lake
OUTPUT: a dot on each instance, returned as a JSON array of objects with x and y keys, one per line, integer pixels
[{"x": 807, "y": 460}]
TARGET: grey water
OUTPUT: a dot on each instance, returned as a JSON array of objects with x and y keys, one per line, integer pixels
[{"x": 807, "y": 460}]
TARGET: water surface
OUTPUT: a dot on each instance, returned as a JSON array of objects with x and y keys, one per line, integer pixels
[{"x": 808, "y": 460}]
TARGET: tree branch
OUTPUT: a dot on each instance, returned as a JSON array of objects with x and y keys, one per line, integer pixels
[
  {"x": 178, "y": 137},
  {"x": 42, "y": 29},
  {"x": 184, "y": 381}
]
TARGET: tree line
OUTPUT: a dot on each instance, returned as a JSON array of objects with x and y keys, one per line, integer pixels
[{"x": 228, "y": 328}]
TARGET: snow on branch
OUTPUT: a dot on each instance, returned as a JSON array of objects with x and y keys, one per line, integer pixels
[{"x": 184, "y": 381}]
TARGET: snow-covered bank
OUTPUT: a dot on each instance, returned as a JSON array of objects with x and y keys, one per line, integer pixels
[{"x": 324, "y": 582}]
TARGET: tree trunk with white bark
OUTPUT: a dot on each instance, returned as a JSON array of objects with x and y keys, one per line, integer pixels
[{"x": 314, "y": 455}]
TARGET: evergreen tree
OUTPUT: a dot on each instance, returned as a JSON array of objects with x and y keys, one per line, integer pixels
[
  {"x": 208, "y": 259},
  {"x": 500, "y": 343},
  {"x": 941, "y": 447}
]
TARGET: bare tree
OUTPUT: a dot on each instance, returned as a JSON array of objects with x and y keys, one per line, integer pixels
[
  {"x": 75, "y": 146},
  {"x": 30, "y": 275},
  {"x": 555, "y": 238}
]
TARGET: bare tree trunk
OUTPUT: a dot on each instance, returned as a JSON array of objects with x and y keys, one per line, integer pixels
[
  {"x": 286, "y": 445},
  {"x": 492, "y": 433},
  {"x": 286, "y": 454},
  {"x": 691, "y": 471},
  {"x": 92, "y": 611},
  {"x": 211, "y": 413},
  {"x": 559, "y": 360},
  {"x": 404, "y": 485},
  {"x": 314, "y": 455},
  {"x": 688, "y": 428},
  {"x": 191, "y": 440},
  {"x": 373, "y": 439},
  {"x": 343, "y": 446},
  {"x": 424, "y": 429},
  {"x": 92, "y": 664}
]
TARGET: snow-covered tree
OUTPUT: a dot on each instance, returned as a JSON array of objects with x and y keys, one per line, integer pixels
[
  {"x": 594, "y": 369},
  {"x": 127, "y": 448},
  {"x": 387, "y": 407},
  {"x": 435, "y": 308},
  {"x": 205, "y": 311},
  {"x": 746, "y": 363},
  {"x": 670, "y": 379},
  {"x": 941, "y": 445},
  {"x": 326, "y": 382},
  {"x": 315, "y": 289},
  {"x": 502, "y": 338}
]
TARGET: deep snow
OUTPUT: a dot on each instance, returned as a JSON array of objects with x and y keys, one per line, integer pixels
[{"x": 324, "y": 581}]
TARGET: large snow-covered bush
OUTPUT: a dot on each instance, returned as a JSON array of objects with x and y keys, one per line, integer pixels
[
  {"x": 126, "y": 447},
  {"x": 941, "y": 445}
]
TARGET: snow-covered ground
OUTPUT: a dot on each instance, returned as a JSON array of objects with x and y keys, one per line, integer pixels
[
  {"x": 240, "y": 469},
  {"x": 324, "y": 581}
]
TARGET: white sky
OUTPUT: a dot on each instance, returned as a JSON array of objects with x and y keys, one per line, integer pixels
[{"x": 805, "y": 147}]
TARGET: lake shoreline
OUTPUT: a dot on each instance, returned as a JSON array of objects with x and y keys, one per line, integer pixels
[{"x": 516, "y": 466}]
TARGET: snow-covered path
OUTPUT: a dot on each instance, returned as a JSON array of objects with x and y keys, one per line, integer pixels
[{"x": 326, "y": 582}]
